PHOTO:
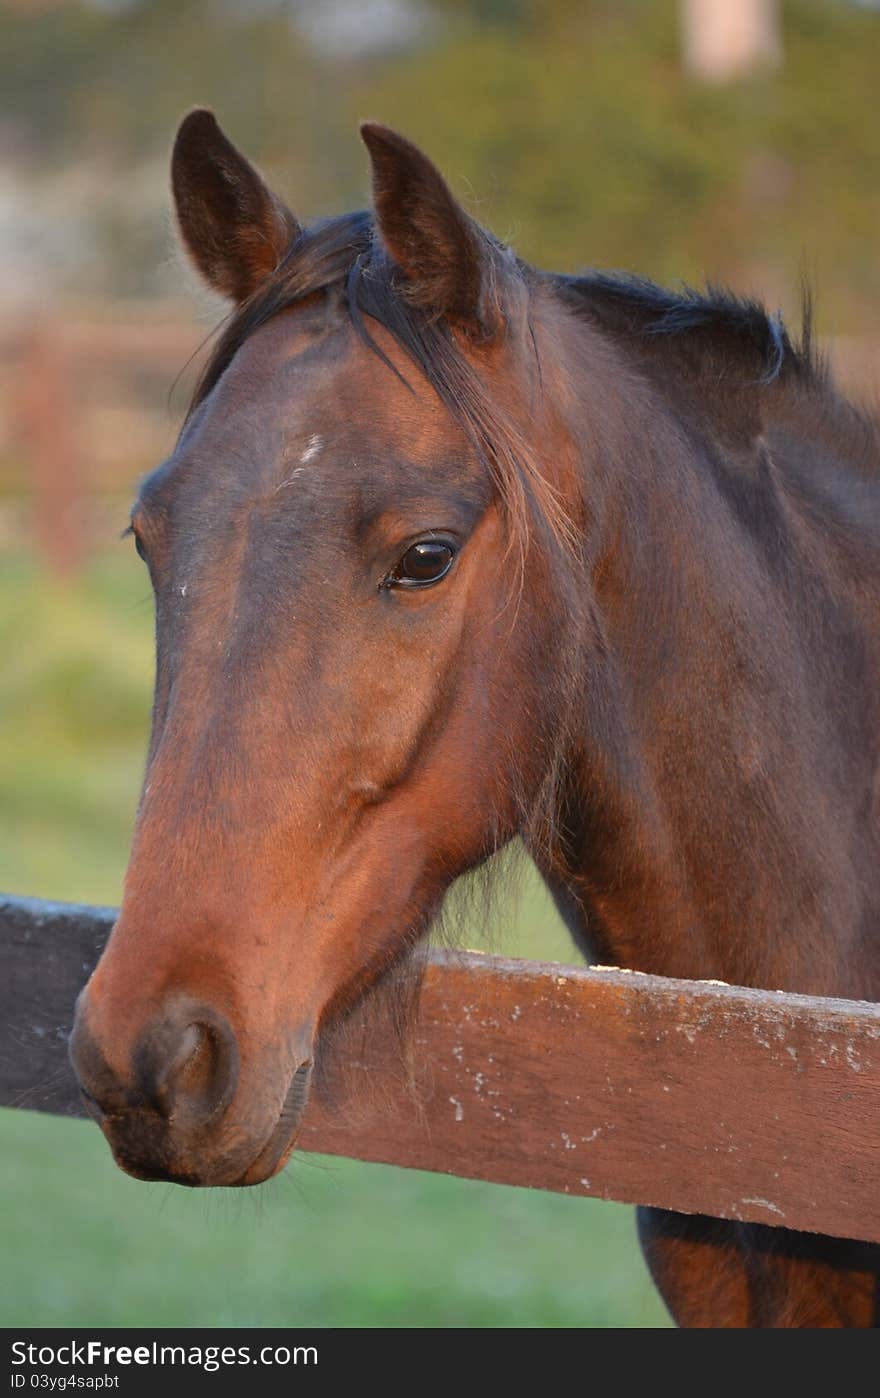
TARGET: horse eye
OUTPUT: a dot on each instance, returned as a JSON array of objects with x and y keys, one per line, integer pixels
[
  {"x": 423, "y": 563},
  {"x": 139, "y": 545}
]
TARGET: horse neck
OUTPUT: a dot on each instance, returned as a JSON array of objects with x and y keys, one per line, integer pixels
[{"x": 686, "y": 850}]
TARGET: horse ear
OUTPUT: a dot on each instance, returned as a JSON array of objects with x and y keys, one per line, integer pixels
[
  {"x": 443, "y": 254},
  {"x": 234, "y": 228}
]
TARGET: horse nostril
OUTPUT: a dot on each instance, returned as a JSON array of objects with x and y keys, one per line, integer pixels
[
  {"x": 187, "y": 1064},
  {"x": 193, "y": 1042}
]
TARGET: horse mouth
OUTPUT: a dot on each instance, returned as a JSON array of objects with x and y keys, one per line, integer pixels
[
  {"x": 166, "y": 1166},
  {"x": 282, "y": 1142}
]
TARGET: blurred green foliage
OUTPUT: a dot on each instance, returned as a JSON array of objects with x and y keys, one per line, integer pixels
[
  {"x": 568, "y": 124},
  {"x": 74, "y": 715}
]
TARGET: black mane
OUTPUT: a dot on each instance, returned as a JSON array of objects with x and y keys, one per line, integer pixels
[
  {"x": 731, "y": 324},
  {"x": 345, "y": 252}
]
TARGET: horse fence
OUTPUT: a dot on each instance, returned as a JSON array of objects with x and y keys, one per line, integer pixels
[{"x": 690, "y": 1095}]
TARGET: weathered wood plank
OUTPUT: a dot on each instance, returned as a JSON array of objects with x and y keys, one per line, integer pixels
[{"x": 690, "y": 1095}]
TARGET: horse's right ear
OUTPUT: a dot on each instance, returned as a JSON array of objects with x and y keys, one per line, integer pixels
[{"x": 234, "y": 228}]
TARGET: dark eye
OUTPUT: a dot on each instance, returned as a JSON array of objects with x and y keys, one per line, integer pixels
[
  {"x": 423, "y": 563},
  {"x": 139, "y": 545}
]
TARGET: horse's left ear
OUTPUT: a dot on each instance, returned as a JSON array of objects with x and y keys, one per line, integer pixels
[{"x": 445, "y": 257}]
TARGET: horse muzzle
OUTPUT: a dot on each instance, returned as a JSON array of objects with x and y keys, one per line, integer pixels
[{"x": 185, "y": 1107}]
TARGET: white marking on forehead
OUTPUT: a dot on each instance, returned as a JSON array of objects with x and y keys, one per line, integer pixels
[
  {"x": 313, "y": 446},
  {"x": 288, "y": 480}
]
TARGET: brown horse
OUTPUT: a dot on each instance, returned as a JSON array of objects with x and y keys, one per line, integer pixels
[{"x": 452, "y": 550}]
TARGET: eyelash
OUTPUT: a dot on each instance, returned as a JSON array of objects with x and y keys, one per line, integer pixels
[{"x": 130, "y": 531}]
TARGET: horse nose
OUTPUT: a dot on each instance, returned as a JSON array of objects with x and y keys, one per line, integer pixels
[{"x": 184, "y": 1064}]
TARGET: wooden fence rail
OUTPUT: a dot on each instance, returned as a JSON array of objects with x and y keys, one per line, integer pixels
[{"x": 696, "y": 1096}]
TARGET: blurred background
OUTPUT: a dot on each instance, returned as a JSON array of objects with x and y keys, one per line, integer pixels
[{"x": 736, "y": 140}]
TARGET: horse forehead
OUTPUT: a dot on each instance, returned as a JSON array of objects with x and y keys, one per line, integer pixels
[
  {"x": 278, "y": 376},
  {"x": 304, "y": 402},
  {"x": 301, "y": 377}
]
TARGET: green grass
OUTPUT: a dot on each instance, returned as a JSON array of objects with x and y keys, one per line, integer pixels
[
  {"x": 332, "y": 1242},
  {"x": 74, "y": 716}
]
